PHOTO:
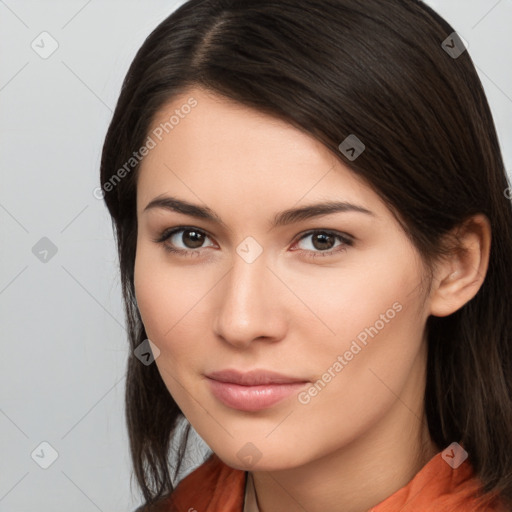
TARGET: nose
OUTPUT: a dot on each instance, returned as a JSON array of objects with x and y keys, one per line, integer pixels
[{"x": 250, "y": 304}]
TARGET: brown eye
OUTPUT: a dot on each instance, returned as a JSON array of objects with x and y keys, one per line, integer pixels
[
  {"x": 192, "y": 239},
  {"x": 323, "y": 241},
  {"x": 320, "y": 240},
  {"x": 184, "y": 240}
]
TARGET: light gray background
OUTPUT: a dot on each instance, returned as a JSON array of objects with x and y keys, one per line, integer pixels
[{"x": 63, "y": 341}]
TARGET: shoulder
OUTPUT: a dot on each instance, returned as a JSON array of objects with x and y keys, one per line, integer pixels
[
  {"x": 213, "y": 486},
  {"x": 440, "y": 487}
]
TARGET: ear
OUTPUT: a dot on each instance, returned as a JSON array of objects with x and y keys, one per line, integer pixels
[{"x": 459, "y": 276}]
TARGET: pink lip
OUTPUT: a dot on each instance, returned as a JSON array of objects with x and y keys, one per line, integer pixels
[{"x": 252, "y": 391}]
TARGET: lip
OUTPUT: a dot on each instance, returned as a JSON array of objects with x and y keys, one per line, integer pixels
[
  {"x": 254, "y": 390},
  {"x": 253, "y": 377}
]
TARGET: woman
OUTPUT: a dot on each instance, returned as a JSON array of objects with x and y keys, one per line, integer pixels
[{"x": 308, "y": 198}]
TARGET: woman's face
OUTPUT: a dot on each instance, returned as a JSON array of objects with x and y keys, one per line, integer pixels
[{"x": 332, "y": 300}]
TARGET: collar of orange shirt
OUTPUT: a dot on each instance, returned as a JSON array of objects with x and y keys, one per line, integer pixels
[{"x": 437, "y": 487}]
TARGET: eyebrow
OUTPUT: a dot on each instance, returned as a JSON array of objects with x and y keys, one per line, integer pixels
[{"x": 283, "y": 218}]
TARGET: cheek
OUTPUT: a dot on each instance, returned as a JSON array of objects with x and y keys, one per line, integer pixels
[
  {"x": 169, "y": 299},
  {"x": 387, "y": 366},
  {"x": 165, "y": 303},
  {"x": 341, "y": 304},
  {"x": 157, "y": 290},
  {"x": 148, "y": 292},
  {"x": 369, "y": 329}
]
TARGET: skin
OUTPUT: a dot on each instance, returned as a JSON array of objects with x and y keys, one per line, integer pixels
[{"x": 364, "y": 435}]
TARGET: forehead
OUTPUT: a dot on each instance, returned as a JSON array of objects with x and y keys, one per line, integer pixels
[{"x": 222, "y": 149}]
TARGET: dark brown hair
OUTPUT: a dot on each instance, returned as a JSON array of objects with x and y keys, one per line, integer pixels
[{"x": 331, "y": 68}]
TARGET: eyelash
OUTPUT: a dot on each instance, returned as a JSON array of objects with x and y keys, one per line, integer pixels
[{"x": 346, "y": 241}]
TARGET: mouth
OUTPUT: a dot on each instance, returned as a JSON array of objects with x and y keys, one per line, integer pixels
[{"x": 254, "y": 390}]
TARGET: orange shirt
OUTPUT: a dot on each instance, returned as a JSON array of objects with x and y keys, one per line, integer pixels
[{"x": 437, "y": 487}]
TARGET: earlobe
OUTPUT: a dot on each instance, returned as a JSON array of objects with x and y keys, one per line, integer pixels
[{"x": 459, "y": 276}]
